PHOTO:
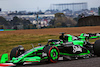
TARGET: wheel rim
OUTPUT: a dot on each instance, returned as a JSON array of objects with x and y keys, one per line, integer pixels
[{"x": 54, "y": 54}]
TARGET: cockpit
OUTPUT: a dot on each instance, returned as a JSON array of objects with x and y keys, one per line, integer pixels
[
  {"x": 53, "y": 42},
  {"x": 68, "y": 37}
]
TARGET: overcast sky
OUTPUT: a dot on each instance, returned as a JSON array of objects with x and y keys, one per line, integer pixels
[{"x": 34, "y": 5}]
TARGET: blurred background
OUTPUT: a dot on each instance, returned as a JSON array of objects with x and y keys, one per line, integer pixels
[{"x": 37, "y": 14}]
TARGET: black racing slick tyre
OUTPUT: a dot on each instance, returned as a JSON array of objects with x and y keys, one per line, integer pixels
[
  {"x": 53, "y": 53},
  {"x": 15, "y": 52},
  {"x": 96, "y": 47}
]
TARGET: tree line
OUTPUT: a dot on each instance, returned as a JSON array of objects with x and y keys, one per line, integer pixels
[
  {"x": 13, "y": 23},
  {"x": 61, "y": 20}
]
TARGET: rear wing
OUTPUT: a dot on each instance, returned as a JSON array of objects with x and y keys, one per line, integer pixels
[{"x": 84, "y": 36}]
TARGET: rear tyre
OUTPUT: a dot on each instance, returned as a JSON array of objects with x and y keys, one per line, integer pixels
[
  {"x": 96, "y": 48},
  {"x": 53, "y": 53},
  {"x": 17, "y": 51}
]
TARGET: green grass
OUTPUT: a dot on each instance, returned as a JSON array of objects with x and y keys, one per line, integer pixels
[{"x": 7, "y": 42}]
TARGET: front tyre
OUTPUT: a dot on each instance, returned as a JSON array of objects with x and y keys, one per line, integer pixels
[
  {"x": 53, "y": 54},
  {"x": 17, "y": 51}
]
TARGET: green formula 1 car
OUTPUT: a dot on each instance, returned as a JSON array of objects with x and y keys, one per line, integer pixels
[{"x": 68, "y": 46}]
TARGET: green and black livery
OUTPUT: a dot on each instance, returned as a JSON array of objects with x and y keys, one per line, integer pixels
[{"x": 68, "y": 46}]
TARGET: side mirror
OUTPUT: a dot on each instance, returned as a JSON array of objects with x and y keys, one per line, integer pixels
[{"x": 39, "y": 44}]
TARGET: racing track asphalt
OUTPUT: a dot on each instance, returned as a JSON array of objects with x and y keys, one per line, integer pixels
[{"x": 91, "y": 62}]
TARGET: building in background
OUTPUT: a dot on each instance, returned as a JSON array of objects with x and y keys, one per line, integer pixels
[
  {"x": 94, "y": 10},
  {"x": 69, "y": 6}
]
